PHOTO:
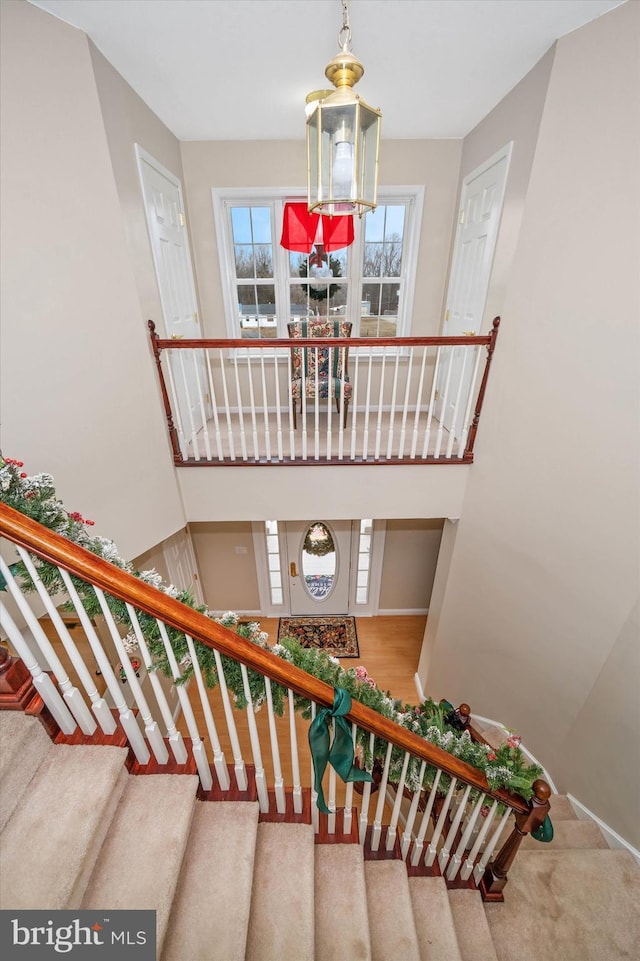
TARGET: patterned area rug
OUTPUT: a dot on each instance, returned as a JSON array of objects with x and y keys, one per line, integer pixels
[{"x": 335, "y": 635}]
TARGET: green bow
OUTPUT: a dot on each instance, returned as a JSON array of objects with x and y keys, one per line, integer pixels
[
  {"x": 544, "y": 832},
  {"x": 340, "y": 755}
]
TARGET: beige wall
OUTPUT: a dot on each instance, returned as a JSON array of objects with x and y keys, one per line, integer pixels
[
  {"x": 283, "y": 164},
  {"x": 228, "y": 578},
  {"x": 535, "y": 627},
  {"x": 78, "y": 391},
  {"x": 410, "y": 558}
]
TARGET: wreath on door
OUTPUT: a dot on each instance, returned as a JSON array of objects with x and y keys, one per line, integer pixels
[{"x": 318, "y": 541}]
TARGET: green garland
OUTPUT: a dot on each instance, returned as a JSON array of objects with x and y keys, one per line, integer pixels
[{"x": 35, "y": 497}]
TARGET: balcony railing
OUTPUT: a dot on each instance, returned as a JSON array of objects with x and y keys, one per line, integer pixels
[{"x": 411, "y": 400}]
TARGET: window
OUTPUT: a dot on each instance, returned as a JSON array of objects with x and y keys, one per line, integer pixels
[
  {"x": 265, "y": 286},
  {"x": 273, "y": 562}
]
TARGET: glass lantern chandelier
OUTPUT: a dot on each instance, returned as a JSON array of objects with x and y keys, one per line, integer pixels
[{"x": 343, "y": 138}]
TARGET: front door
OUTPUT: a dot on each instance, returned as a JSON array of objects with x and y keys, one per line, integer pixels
[
  {"x": 172, "y": 259},
  {"x": 479, "y": 219},
  {"x": 319, "y": 564}
]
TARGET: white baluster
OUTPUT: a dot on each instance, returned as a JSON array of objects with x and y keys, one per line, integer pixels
[
  {"x": 281, "y": 803},
  {"x": 478, "y": 871},
  {"x": 382, "y": 796},
  {"x": 376, "y": 455},
  {"x": 411, "y": 817},
  {"x": 330, "y": 399},
  {"x": 445, "y": 401},
  {"x": 218, "y": 756},
  {"x": 252, "y": 408},
  {"x": 243, "y": 433},
  {"x": 432, "y": 400},
  {"x": 197, "y": 747},
  {"x": 315, "y": 820},
  {"x": 177, "y": 414},
  {"x": 292, "y": 403},
  {"x": 276, "y": 378},
  {"x": 341, "y": 418},
  {"x": 405, "y": 406},
  {"x": 202, "y": 405},
  {"x": 467, "y": 867},
  {"x": 176, "y": 742},
  {"x": 414, "y": 441},
  {"x": 227, "y": 408},
  {"x": 366, "y": 798},
  {"x": 187, "y": 394},
  {"x": 445, "y": 851},
  {"x": 316, "y": 412},
  {"x": 130, "y": 725},
  {"x": 331, "y": 803},
  {"x": 456, "y": 860},
  {"x": 395, "y": 814},
  {"x": 214, "y": 406},
  {"x": 416, "y": 853},
  {"x": 87, "y": 724},
  {"x": 347, "y": 815},
  {"x": 392, "y": 414},
  {"x": 41, "y": 681},
  {"x": 354, "y": 399},
  {"x": 295, "y": 760},
  {"x": 303, "y": 402},
  {"x": 367, "y": 409},
  {"x": 261, "y": 783},
  {"x": 238, "y": 761},
  {"x": 462, "y": 443},
  {"x": 70, "y": 693},
  {"x": 456, "y": 420},
  {"x": 432, "y": 850},
  {"x": 265, "y": 409}
]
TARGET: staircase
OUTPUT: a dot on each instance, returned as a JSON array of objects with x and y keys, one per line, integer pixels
[{"x": 79, "y": 831}]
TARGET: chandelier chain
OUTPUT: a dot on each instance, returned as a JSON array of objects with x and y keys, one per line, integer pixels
[{"x": 344, "y": 37}]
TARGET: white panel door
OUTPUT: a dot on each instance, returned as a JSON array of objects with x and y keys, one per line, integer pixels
[
  {"x": 318, "y": 584},
  {"x": 479, "y": 219},
  {"x": 172, "y": 259},
  {"x": 181, "y": 564}
]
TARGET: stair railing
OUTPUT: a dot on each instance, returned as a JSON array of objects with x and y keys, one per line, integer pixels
[{"x": 458, "y": 829}]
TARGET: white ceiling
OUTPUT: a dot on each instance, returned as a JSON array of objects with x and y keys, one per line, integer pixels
[{"x": 240, "y": 69}]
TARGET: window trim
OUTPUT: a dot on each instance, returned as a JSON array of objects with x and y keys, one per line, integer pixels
[{"x": 276, "y": 197}]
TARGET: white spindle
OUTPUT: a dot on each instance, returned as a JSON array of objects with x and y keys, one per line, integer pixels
[
  {"x": 214, "y": 406},
  {"x": 292, "y": 403},
  {"x": 354, "y": 405},
  {"x": 416, "y": 854},
  {"x": 432, "y": 849},
  {"x": 367, "y": 409},
  {"x": 252, "y": 408},
  {"x": 418, "y": 411},
  {"x": 347, "y": 816},
  {"x": 276, "y": 380},
  {"x": 330, "y": 401},
  {"x": 197, "y": 747},
  {"x": 462, "y": 443},
  {"x": 411, "y": 817},
  {"x": 41, "y": 681},
  {"x": 478, "y": 871},
  {"x": 202, "y": 405},
  {"x": 275, "y": 751},
  {"x": 405, "y": 406},
  {"x": 238, "y": 761},
  {"x": 331, "y": 803},
  {"x": 261, "y": 782},
  {"x": 467, "y": 867},
  {"x": 295, "y": 760},
  {"x": 392, "y": 413},
  {"x": 70, "y": 693},
  {"x": 187, "y": 395},
  {"x": 315, "y": 820},
  {"x": 176, "y": 742},
  {"x": 341, "y": 417},
  {"x": 218, "y": 756},
  {"x": 432, "y": 401},
  {"x": 265, "y": 409},
  {"x": 240, "y": 408},
  {"x": 395, "y": 814},
  {"x": 445, "y": 402},
  {"x": 316, "y": 409},
  {"x": 136, "y": 739},
  {"x": 227, "y": 408},
  {"x": 382, "y": 796},
  {"x": 177, "y": 413},
  {"x": 87, "y": 725},
  {"x": 456, "y": 860},
  {"x": 366, "y": 798},
  {"x": 380, "y": 406},
  {"x": 456, "y": 419},
  {"x": 445, "y": 851},
  {"x": 303, "y": 402}
]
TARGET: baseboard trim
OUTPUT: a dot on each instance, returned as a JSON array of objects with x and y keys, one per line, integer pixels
[
  {"x": 614, "y": 840},
  {"x": 401, "y": 611},
  {"x": 527, "y": 754},
  {"x": 418, "y": 684}
]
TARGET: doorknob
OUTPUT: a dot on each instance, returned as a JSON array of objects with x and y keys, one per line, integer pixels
[{"x": 293, "y": 569}]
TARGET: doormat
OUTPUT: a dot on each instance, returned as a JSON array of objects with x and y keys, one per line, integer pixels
[{"x": 335, "y": 635}]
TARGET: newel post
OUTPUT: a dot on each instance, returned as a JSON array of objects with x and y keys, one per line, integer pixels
[
  {"x": 473, "y": 430},
  {"x": 173, "y": 434},
  {"x": 495, "y": 875}
]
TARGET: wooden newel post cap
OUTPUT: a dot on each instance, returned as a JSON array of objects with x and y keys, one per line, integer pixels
[
  {"x": 464, "y": 710},
  {"x": 541, "y": 791}
]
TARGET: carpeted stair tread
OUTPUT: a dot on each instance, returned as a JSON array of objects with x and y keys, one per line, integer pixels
[
  {"x": 569, "y": 906},
  {"x": 210, "y": 911},
  {"x": 281, "y": 923},
  {"x": 341, "y": 919},
  {"x": 24, "y": 744},
  {"x": 140, "y": 860},
  {"x": 49, "y": 845},
  {"x": 472, "y": 928},
  {"x": 391, "y": 923},
  {"x": 568, "y": 834},
  {"x": 561, "y": 808},
  {"x": 435, "y": 928}
]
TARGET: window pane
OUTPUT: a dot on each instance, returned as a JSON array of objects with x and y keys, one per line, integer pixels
[
  {"x": 276, "y": 597},
  {"x": 271, "y": 527},
  {"x": 394, "y": 222},
  {"x": 374, "y": 224},
  {"x": 263, "y": 260},
  {"x": 241, "y": 225},
  {"x": 362, "y": 593},
  {"x": 261, "y": 220},
  {"x": 244, "y": 260},
  {"x": 272, "y": 544}
]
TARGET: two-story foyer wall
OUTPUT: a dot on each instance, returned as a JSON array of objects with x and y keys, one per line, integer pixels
[{"x": 227, "y": 565}]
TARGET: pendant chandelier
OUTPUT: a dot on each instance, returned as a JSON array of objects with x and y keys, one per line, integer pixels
[{"x": 343, "y": 138}]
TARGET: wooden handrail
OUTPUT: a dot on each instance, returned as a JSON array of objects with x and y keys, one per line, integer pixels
[{"x": 57, "y": 550}]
